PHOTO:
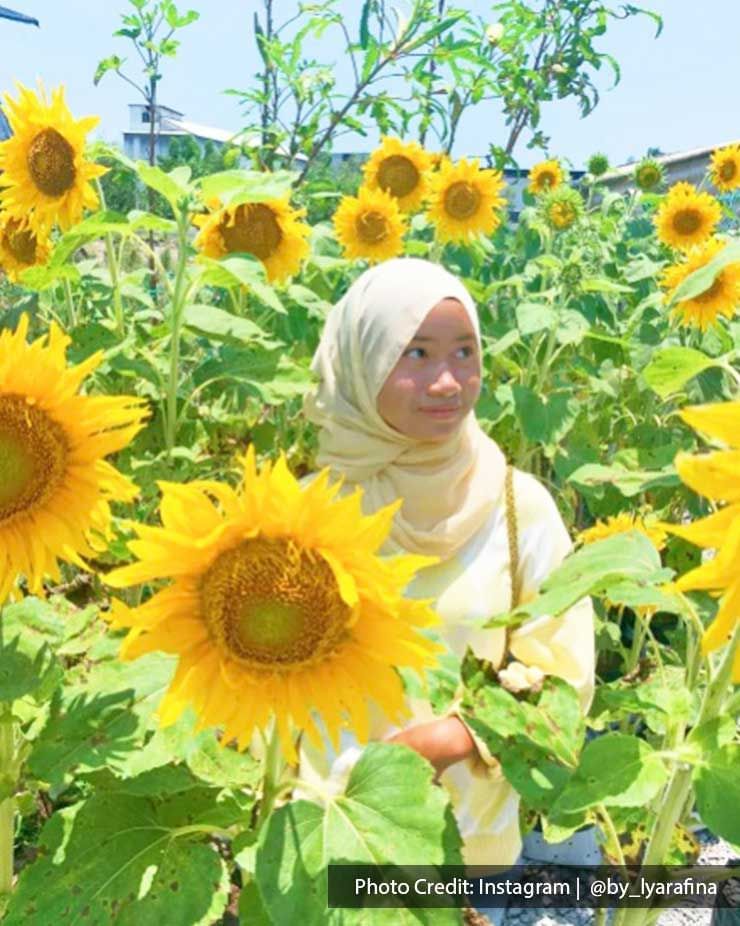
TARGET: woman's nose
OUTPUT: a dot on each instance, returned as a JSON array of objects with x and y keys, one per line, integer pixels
[{"x": 445, "y": 384}]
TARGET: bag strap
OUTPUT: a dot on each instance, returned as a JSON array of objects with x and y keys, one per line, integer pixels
[{"x": 513, "y": 537}]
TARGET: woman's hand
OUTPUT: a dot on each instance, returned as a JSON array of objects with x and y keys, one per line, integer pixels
[{"x": 442, "y": 742}]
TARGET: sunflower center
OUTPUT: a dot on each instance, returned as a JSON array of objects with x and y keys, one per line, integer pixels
[
  {"x": 462, "y": 200},
  {"x": 546, "y": 179},
  {"x": 649, "y": 177},
  {"x": 562, "y": 215},
  {"x": 273, "y": 605},
  {"x": 727, "y": 170},
  {"x": 254, "y": 229},
  {"x": 371, "y": 227},
  {"x": 687, "y": 221},
  {"x": 397, "y": 175},
  {"x": 20, "y": 242},
  {"x": 33, "y": 455},
  {"x": 51, "y": 162}
]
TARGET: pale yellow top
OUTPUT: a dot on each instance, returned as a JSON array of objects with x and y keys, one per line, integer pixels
[{"x": 475, "y": 584}]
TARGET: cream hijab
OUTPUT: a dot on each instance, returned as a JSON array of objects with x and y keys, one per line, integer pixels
[{"x": 449, "y": 488}]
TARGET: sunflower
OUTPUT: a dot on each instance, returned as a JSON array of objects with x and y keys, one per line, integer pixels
[
  {"x": 562, "y": 207},
  {"x": 598, "y": 164},
  {"x": 620, "y": 524},
  {"x": 465, "y": 201},
  {"x": 649, "y": 175},
  {"x": 400, "y": 169},
  {"x": 725, "y": 168},
  {"x": 20, "y": 247},
  {"x": 547, "y": 175},
  {"x": 279, "y": 605},
  {"x": 42, "y": 164},
  {"x": 55, "y": 486},
  {"x": 370, "y": 226},
  {"x": 721, "y": 299},
  {"x": 271, "y": 231},
  {"x": 686, "y": 217},
  {"x": 715, "y": 475}
]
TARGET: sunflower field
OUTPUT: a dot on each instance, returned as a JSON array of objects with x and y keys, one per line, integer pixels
[{"x": 179, "y": 605}]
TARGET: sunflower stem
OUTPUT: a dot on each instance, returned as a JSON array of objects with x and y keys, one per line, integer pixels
[
  {"x": 676, "y": 796},
  {"x": 110, "y": 252},
  {"x": 176, "y": 313},
  {"x": 272, "y": 776},
  {"x": 71, "y": 314},
  {"x": 8, "y": 774}
]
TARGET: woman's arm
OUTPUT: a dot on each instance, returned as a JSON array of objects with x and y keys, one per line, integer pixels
[{"x": 442, "y": 742}]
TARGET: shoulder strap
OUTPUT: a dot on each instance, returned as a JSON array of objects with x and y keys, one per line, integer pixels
[{"x": 513, "y": 537}]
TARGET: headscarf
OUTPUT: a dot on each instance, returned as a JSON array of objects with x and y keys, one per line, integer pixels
[{"x": 449, "y": 487}]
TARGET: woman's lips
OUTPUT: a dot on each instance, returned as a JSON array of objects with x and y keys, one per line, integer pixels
[{"x": 442, "y": 412}]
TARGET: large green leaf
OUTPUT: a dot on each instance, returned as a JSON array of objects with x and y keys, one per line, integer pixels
[
  {"x": 671, "y": 367},
  {"x": 173, "y": 185},
  {"x": 616, "y": 770},
  {"x": 390, "y": 813},
  {"x": 534, "y": 316},
  {"x": 630, "y": 482},
  {"x": 100, "y": 720},
  {"x": 219, "y": 324},
  {"x": 717, "y": 786},
  {"x": 247, "y": 186},
  {"x": 591, "y": 570},
  {"x": 29, "y": 633},
  {"x": 129, "y": 860},
  {"x": 544, "y": 420}
]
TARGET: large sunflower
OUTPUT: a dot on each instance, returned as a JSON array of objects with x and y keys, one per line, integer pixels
[
  {"x": 20, "y": 246},
  {"x": 400, "y": 169},
  {"x": 620, "y": 524},
  {"x": 279, "y": 606},
  {"x": 271, "y": 231},
  {"x": 370, "y": 226},
  {"x": 715, "y": 475},
  {"x": 547, "y": 175},
  {"x": 721, "y": 299},
  {"x": 465, "y": 201},
  {"x": 725, "y": 168},
  {"x": 42, "y": 165},
  {"x": 686, "y": 217},
  {"x": 55, "y": 486}
]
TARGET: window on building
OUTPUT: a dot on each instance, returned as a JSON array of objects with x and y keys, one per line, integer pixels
[{"x": 145, "y": 116}]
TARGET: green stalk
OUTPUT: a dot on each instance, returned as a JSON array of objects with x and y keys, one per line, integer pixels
[
  {"x": 178, "y": 302},
  {"x": 679, "y": 787},
  {"x": 7, "y": 806},
  {"x": 271, "y": 784},
  {"x": 113, "y": 271},
  {"x": 71, "y": 314}
]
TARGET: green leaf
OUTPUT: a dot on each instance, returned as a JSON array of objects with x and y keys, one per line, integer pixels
[
  {"x": 717, "y": 786},
  {"x": 129, "y": 860},
  {"x": 242, "y": 270},
  {"x": 630, "y": 482},
  {"x": 616, "y": 770},
  {"x": 101, "y": 719},
  {"x": 533, "y": 316},
  {"x": 174, "y": 186},
  {"x": 233, "y": 187},
  {"x": 671, "y": 367},
  {"x": 222, "y": 325},
  {"x": 26, "y": 668},
  {"x": 390, "y": 813},
  {"x": 544, "y": 420},
  {"x": 604, "y": 285},
  {"x": 589, "y": 571},
  {"x": 700, "y": 280}
]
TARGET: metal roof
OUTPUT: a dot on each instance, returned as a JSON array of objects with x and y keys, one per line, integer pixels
[{"x": 5, "y": 13}]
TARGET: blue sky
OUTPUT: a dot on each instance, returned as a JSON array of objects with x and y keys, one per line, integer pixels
[{"x": 677, "y": 92}]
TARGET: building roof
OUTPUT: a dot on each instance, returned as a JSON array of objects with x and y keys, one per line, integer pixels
[
  {"x": 666, "y": 159},
  {"x": 5, "y": 13}
]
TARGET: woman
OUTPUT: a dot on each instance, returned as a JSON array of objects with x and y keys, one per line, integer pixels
[{"x": 399, "y": 367}]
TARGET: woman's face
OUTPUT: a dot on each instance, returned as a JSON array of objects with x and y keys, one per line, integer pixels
[{"x": 437, "y": 380}]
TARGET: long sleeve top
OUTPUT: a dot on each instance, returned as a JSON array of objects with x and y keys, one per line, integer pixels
[{"x": 471, "y": 586}]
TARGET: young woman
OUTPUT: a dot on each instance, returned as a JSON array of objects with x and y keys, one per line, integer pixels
[{"x": 399, "y": 367}]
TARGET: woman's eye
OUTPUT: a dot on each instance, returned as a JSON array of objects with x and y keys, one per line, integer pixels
[
  {"x": 418, "y": 351},
  {"x": 467, "y": 351}
]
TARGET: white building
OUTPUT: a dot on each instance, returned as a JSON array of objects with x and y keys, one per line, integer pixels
[
  {"x": 690, "y": 166},
  {"x": 169, "y": 124}
]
